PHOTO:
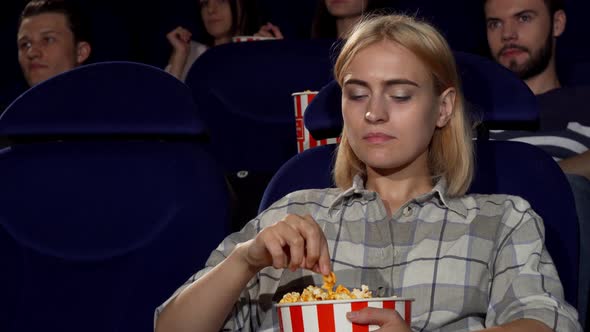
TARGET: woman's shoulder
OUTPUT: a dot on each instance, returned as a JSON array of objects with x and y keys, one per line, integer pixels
[
  {"x": 196, "y": 48},
  {"x": 505, "y": 207},
  {"x": 302, "y": 202},
  {"x": 318, "y": 197},
  {"x": 498, "y": 199}
]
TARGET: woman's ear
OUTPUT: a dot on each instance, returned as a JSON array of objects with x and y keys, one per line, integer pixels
[{"x": 446, "y": 105}]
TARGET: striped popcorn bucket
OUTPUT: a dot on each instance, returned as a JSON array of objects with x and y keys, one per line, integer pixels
[
  {"x": 304, "y": 139},
  {"x": 240, "y": 39},
  {"x": 330, "y": 316}
]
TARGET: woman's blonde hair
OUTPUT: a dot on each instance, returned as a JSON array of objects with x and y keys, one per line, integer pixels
[{"x": 450, "y": 153}]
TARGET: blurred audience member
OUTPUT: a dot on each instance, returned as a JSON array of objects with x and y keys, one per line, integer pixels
[
  {"x": 52, "y": 38},
  {"x": 522, "y": 36},
  {"x": 222, "y": 20},
  {"x": 335, "y": 18}
]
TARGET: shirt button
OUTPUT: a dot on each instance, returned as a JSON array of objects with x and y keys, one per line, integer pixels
[{"x": 407, "y": 211}]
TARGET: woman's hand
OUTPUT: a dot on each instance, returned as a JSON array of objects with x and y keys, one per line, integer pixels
[
  {"x": 294, "y": 242},
  {"x": 389, "y": 320},
  {"x": 180, "y": 39},
  {"x": 269, "y": 30}
]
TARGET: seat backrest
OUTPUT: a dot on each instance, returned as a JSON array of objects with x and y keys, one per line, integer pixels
[
  {"x": 108, "y": 222},
  {"x": 501, "y": 166},
  {"x": 465, "y": 32},
  {"x": 243, "y": 91},
  {"x": 569, "y": 49},
  {"x": 107, "y": 98},
  {"x": 294, "y": 18}
]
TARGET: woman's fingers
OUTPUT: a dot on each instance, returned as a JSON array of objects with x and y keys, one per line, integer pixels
[
  {"x": 179, "y": 38},
  {"x": 263, "y": 32},
  {"x": 314, "y": 238},
  {"x": 276, "y": 32},
  {"x": 387, "y": 319},
  {"x": 316, "y": 246},
  {"x": 274, "y": 244},
  {"x": 294, "y": 242},
  {"x": 269, "y": 30}
]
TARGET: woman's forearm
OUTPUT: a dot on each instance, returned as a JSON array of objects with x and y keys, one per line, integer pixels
[
  {"x": 205, "y": 304},
  {"x": 176, "y": 64}
]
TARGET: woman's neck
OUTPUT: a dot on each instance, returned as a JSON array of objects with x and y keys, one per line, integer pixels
[
  {"x": 399, "y": 186},
  {"x": 221, "y": 40}
]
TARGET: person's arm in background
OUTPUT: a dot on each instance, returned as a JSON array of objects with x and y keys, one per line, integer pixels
[
  {"x": 180, "y": 39},
  {"x": 579, "y": 164}
]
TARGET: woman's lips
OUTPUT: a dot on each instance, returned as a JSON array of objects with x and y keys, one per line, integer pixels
[{"x": 377, "y": 138}]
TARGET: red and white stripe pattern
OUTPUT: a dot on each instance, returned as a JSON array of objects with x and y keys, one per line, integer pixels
[
  {"x": 240, "y": 39},
  {"x": 331, "y": 317},
  {"x": 304, "y": 139}
]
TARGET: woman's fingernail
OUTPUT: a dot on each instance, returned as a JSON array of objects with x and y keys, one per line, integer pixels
[{"x": 352, "y": 314}]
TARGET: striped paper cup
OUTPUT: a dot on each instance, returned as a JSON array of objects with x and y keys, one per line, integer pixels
[
  {"x": 304, "y": 139},
  {"x": 330, "y": 316},
  {"x": 240, "y": 39}
]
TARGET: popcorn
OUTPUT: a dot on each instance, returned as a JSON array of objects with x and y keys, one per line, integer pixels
[{"x": 326, "y": 292}]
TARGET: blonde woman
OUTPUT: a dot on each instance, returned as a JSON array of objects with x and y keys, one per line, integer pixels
[{"x": 399, "y": 219}]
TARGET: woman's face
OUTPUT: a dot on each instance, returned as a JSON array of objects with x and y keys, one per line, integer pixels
[
  {"x": 346, "y": 8},
  {"x": 217, "y": 17},
  {"x": 390, "y": 107}
]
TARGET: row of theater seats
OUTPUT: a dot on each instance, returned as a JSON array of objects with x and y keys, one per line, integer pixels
[
  {"x": 137, "y": 32},
  {"x": 115, "y": 186},
  {"x": 109, "y": 199}
]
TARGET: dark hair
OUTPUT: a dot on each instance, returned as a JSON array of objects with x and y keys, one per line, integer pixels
[
  {"x": 552, "y": 5},
  {"x": 74, "y": 16},
  {"x": 244, "y": 20},
  {"x": 324, "y": 23}
]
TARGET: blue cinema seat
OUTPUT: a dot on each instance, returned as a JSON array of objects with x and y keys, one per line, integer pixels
[
  {"x": 110, "y": 197},
  {"x": 461, "y": 21},
  {"x": 243, "y": 92},
  {"x": 501, "y": 166}
]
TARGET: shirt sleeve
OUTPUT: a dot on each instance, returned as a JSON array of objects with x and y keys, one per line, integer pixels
[{"x": 524, "y": 280}]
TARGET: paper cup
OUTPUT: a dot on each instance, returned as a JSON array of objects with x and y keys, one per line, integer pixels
[
  {"x": 304, "y": 139},
  {"x": 330, "y": 316},
  {"x": 241, "y": 39}
]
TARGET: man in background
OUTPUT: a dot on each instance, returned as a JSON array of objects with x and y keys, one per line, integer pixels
[
  {"x": 51, "y": 39},
  {"x": 522, "y": 36}
]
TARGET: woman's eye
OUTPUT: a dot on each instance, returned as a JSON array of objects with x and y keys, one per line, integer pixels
[
  {"x": 357, "y": 97},
  {"x": 402, "y": 98}
]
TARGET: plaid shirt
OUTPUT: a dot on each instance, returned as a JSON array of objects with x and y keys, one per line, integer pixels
[{"x": 470, "y": 262}]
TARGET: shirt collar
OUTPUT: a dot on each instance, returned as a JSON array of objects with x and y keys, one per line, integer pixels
[
  {"x": 455, "y": 205},
  {"x": 439, "y": 191},
  {"x": 357, "y": 188}
]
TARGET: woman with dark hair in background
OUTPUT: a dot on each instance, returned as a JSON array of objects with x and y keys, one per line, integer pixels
[
  {"x": 335, "y": 18},
  {"x": 221, "y": 20}
]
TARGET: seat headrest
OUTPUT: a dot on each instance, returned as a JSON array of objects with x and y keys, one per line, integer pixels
[
  {"x": 107, "y": 98},
  {"x": 497, "y": 97}
]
